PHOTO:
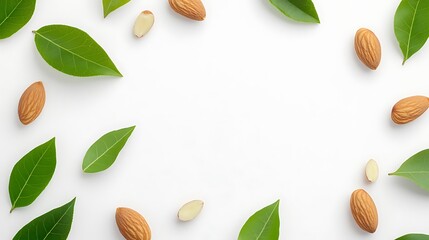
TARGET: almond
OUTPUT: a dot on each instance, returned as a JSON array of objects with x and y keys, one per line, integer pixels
[
  {"x": 144, "y": 23},
  {"x": 193, "y": 9},
  {"x": 364, "y": 210},
  {"x": 31, "y": 103},
  {"x": 132, "y": 225},
  {"x": 368, "y": 48},
  {"x": 371, "y": 170},
  {"x": 190, "y": 210},
  {"x": 408, "y": 109}
]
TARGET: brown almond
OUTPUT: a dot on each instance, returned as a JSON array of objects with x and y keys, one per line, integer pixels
[
  {"x": 409, "y": 109},
  {"x": 193, "y": 9},
  {"x": 31, "y": 103},
  {"x": 368, "y": 48},
  {"x": 364, "y": 210},
  {"x": 132, "y": 225}
]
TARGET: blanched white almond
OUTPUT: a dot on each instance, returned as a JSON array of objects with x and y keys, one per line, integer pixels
[
  {"x": 144, "y": 23},
  {"x": 190, "y": 210},
  {"x": 371, "y": 170}
]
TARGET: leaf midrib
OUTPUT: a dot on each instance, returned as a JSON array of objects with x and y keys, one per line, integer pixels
[
  {"x": 299, "y": 9},
  {"x": 411, "y": 29},
  {"x": 266, "y": 222},
  {"x": 306, "y": 13},
  {"x": 411, "y": 172},
  {"x": 29, "y": 176},
  {"x": 108, "y": 149},
  {"x": 73, "y": 53},
  {"x": 55, "y": 225},
  {"x": 8, "y": 16}
]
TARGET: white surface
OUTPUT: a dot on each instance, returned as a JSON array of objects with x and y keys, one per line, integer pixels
[{"x": 240, "y": 110}]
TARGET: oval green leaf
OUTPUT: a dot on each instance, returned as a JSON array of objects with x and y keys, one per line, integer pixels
[
  {"x": 14, "y": 14},
  {"x": 298, "y": 10},
  {"x": 53, "y": 225},
  {"x": 263, "y": 225},
  {"x": 72, "y": 51},
  {"x": 416, "y": 169},
  {"x": 111, "y": 5},
  {"x": 412, "y": 26},
  {"x": 103, "y": 153},
  {"x": 31, "y": 174},
  {"x": 414, "y": 236}
]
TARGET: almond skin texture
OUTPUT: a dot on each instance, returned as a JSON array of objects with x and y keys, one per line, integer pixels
[
  {"x": 364, "y": 210},
  {"x": 132, "y": 225},
  {"x": 368, "y": 48},
  {"x": 31, "y": 103},
  {"x": 408, "y": 109},
  {"x": 193, "y": 9}
]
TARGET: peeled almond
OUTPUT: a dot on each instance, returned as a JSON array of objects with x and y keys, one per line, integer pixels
[
  {"x": 190, "y": 210},
  {"x": 144, "y": 23},
  {"x": 371, "y": 171}
]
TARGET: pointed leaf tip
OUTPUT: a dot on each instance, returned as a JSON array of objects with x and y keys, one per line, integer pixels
[
  {"x": 72, "y": 51},
  {"x": 416, "y": 169},
  {"x": 411, "y": 26},
  {"x": 264, "y": 224},
  {"x": 103, "y": 153},
  {"x": 31, "y": 174},
  {"x": 298, "y": 10}
]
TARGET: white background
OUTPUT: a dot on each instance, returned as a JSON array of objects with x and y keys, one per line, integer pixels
[{"x": 240, "y": 110}]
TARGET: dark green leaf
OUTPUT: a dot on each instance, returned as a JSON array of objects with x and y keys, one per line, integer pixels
[
  {"x": 263, "y": 225},
  {"x": 14, "y": 14},
  {"x": 53, "y": 225},
  {"x": 72, "y": 51},
  {"x": 103, "y": 153},
  {"x": 412, "y": 26},
  {"x": 111, "y": 5},
  {"x": 416, "y": 168},
  {"x": 299, "y": 10},
  {"x": 31, "y": 174},
  {"x": 414, "y": 236}
]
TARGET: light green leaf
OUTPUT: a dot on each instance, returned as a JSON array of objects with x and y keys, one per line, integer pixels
[
  {"x": 53, "y": 225},
  {"x": 72, "y": 51},
  {"x": 14, "y": 14},
  {"x": 103, "y": 153},
  {"x": 416, "y": 169},
  {"x": 299, "y": 10},
  {"x": 412, "y": 26},
  {"x": 111, "y": 5},
  {"x": 263, "y": 225},
  {"x": 31, "y": 174},
  {"x": 414, "y": 236}
]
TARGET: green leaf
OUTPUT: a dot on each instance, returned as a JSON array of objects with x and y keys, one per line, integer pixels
[
  {"x": 111, "y": 5},
  {"x": 416, "y": 169},
  {"x": 14, "y": 14},
  {"x": 412, "y": 26},
  {"x": 31, "y": 174},
  {"x": 299, "y": 10},
  {"x": 103, "y": 153},
  {"x": 53, "y": 225},
  {"x": 263, "y": 225},
  {"x": 72, "y": 51},
  {"x": 414, "y": 236}
]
